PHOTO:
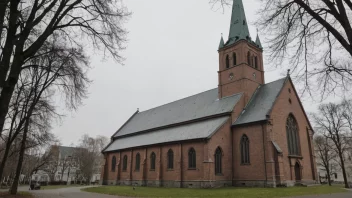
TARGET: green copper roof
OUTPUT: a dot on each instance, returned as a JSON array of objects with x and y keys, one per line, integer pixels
[
  {"x": 257, "y": 42},
  {"x": 239, "y": 26},
  {"x": 221, "y": 45}
]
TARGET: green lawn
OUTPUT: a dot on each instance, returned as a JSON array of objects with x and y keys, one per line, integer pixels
[
  {"x": 219, "y": 192},
  {"x": 19, "y": 195},
  {"x": 57, "y": 187}
]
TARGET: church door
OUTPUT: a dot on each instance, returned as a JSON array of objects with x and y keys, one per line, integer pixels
[{"x": 298, "y": 172}]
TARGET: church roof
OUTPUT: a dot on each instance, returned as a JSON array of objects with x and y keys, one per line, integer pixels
[
  {"x": 196, "y": 130},
  {"x": 261, "y": 102},
  {"x": 205, "y": 104}
]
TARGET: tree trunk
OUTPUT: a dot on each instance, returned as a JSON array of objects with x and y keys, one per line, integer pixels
[
  {"x": 68, "y": 176},
  {"x": 343, "y": 169},
  {"x": 3, "y": 5},
  {"x": 328, "y": 174},
  {"x": 14, "y": 186},
  {"x": 4, "y": 158}
]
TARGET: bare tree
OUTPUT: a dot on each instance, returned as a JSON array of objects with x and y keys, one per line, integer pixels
[
  {"x": 58, "y": 68},
  {"x": 326, "y": 155},
  {"x": 53, "y": 162},
  {"x": 27, "y": 25},
  {"x": 316, "y": 38},
  {"x": 64, "y": 165},
  {"x": 89, "y": 155},
  {"x": 330, "y": 120}
]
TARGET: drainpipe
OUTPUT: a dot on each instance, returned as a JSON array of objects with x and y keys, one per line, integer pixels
[{"x": 266, "y": 174}]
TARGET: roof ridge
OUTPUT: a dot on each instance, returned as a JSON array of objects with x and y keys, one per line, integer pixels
[
  {"x": 276, "y": 80},
  {"x": 177, "y": 100}
]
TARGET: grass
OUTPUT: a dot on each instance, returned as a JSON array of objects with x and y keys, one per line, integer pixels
[
  {"x": 19, "y": 195},
  {"x": 57, "y": 187},
  {"x": 219, "y": 192}
]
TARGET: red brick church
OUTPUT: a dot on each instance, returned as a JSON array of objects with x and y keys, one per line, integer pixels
[{"x": 245, "y": 132}]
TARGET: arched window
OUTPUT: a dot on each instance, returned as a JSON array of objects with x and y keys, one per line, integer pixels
[
  {"x": 138, "y": 162},
  {"x": 234, "y": 57},
  {"x": 292, "y": 136},
  {"x": 218, "y": 161},
  {"x": 113, "y": 164},
  {"x": 152, "y": 161},
  {"x": 227, "y": 61},
  {"x": 124, "y": 163},
  {"x": 249, "y": 58},
  {"x": 170, "y": 159},
  {"x": 256, "y": 62},
  {"x": 245, "y": 150},
  {"x": 191, "y": 158}
]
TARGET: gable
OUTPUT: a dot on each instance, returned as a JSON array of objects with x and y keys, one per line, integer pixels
[
  {"x": 295, "y": 106},
  {"x": 202, "y": 105},
  {"x": 261, "y": 103}
]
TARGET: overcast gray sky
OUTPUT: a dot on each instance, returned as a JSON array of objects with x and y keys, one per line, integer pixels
[{"x": 171, "y": 54}]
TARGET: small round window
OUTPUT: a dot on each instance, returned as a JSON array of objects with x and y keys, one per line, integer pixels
[{"x": 231, "y": 76}]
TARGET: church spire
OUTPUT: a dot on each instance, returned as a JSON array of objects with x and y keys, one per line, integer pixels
[
  {"x": 221, "y": 45},
  {"x": 239, "y": 26},
  {"x": 257, "y": 41}
]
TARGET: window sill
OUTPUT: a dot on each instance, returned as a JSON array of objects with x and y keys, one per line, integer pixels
[
  {"x": 151, "y": 169},
  {"x": 245, "y": 164},
  {"x": 136, "y": 170},
  {"x": 219, "y": 174},
  {"x": 295, "y": 156},
  {"x": 124, "y": 170},
  {"x": 170, "y": 169},
  {"x": 192, "y": 168}
]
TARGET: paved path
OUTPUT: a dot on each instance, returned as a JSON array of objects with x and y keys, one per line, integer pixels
[
  {"x": 69, "y": 193},
  {"x": 337, "y": 195}
]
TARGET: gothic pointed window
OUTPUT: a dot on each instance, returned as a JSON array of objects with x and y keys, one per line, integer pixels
[
  {"x": 292, "y": 136},
  {"x": 234, "y": 57},
  {"x": 249, "y": 58},
  {"x": 113, "y": 164},
  {"x": 245, "y": 150},
  {"x": 191, "y": 158},
  {"x": 124, "y": 163},
  {"x": 227, "y": 61},
  {"x": 256, "y": 62},
  {"x": 138, "y": 162},
  {"x": 218, "y": 161},
  {"x": 152, "y": 161},
  {"x": 170, "y": 159}
]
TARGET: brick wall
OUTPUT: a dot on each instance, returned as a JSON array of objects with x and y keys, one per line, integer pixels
[
  {"x": 279, "y": 114},
  {"x": 255, "y": 171}
]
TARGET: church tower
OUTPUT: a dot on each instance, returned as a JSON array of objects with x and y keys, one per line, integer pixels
[{"x": 240, "y": 58}]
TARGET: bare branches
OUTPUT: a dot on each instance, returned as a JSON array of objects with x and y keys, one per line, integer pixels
[
  {"x": 30, "y": 26},
  {"x": 333, "y": 123},
  {"x": 313, "y": 38},
  {"x": 89, "y": 155}
]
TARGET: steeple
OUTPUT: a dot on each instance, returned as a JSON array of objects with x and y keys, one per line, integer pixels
[
  {"x": 239, "y": 24},
  {"x": 241, "y": 68},
  {"x": 221, "y": 45},
  {"x": 257, "y": 42}
]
